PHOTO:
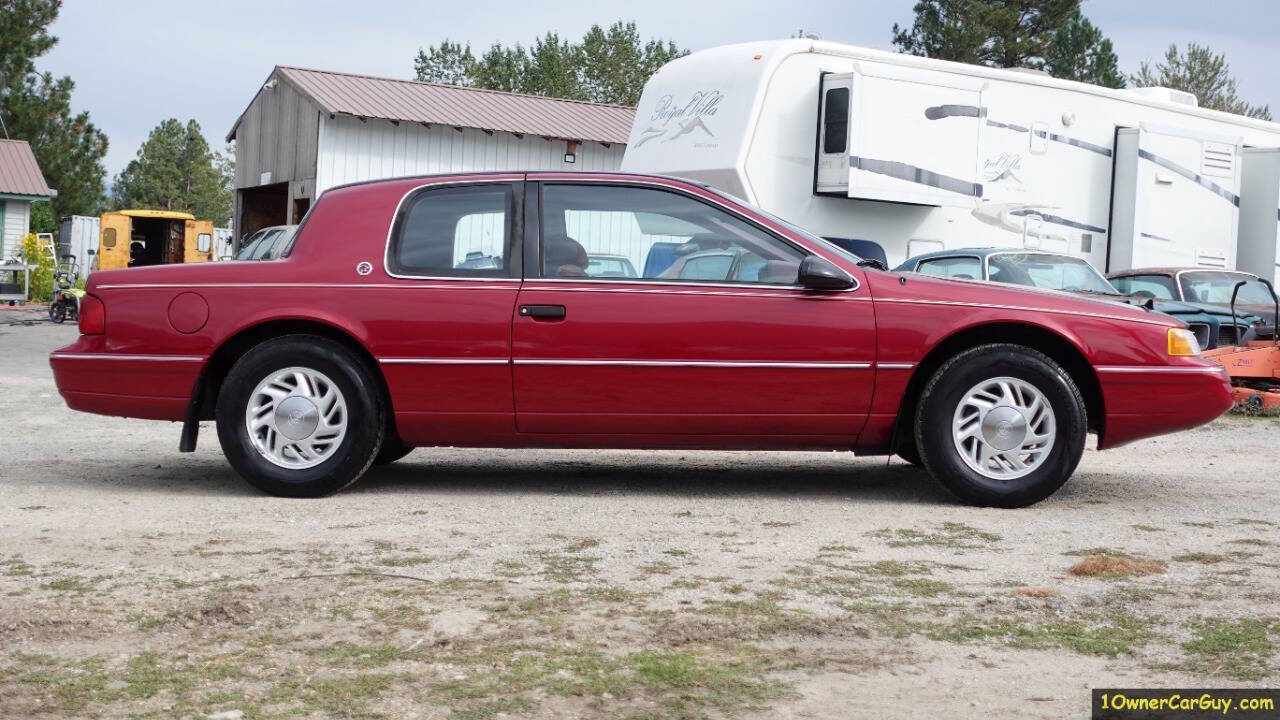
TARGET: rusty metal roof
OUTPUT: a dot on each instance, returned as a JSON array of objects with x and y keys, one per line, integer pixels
[
  {"x": 19, "y": 173},
  {"x": 363, "y": 96}
]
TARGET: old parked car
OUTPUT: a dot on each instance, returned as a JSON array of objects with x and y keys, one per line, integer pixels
[
  {"x": 368, "y": 338},
  {"x": 266, "y": 244},
  {"x": 1204, "y": 287},
  {"x": 1211, "y": 324}
]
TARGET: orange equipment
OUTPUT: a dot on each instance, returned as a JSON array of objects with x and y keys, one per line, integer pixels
[{"x": 1254, "y": 366}]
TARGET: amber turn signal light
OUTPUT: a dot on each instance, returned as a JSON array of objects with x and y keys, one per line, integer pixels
[{"x": 1182, "y": 343}]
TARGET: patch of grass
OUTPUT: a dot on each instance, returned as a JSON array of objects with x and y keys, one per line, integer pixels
[
  {"x": 778, "y": 524},
  {"x": 582, "y": 543},
  {"x": 1205, "y": 558},
  {"x": 1108, "y": 635},
  {"x": 892, "y": 568},
  {"x": 682, "y": 514},
  {"x": 364, "y": 656},
  {"x": 923, "y": 587},
  {"x": 347, "y": 695},
  {"x": 16, "y": 567},
  {"x": 74, "y": 584},
  {"x": 676, "y": 552},
  {"x": 836, "y": 549},
  {"x": 1113, "y": 566},
  {"x": 657, "y": 567},
  {"x": 510, "y": 568},
  {"x": 951, "y": 534},
  {"x": 404, "y": 560},
  {"x": 1147, "y": 528},
  {"x": 566, "y": 566},
  {"x": 1239, "y": 649},
  {"x": 1036, "y": 592},
  {"x": 1256, "y": 542}
]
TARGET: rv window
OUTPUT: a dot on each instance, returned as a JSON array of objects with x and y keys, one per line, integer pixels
[
  {"x": 204, "y": 241},
  {"x": 835, "y": 121},
  {"x": 109, "y": 238}
]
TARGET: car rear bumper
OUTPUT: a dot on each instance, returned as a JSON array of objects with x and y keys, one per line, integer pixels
[
  {"x": 154, "y": 387},
  {"x": 1144, "y": 401}
]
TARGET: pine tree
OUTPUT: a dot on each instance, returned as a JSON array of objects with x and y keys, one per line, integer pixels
[
  {"x": 1203, "y": 74},
  {"x": 1049, "y": 35},
  {"x": 176, "y": 170},
  {"x": 36, "y": 107},
  {"x": 608, "y": 66}
]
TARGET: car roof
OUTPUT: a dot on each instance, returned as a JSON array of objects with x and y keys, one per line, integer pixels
[
  {"x": 568, "y": 174},
  {"x": 980, "y": 252},
  {"x": 1171, "y": 271}
]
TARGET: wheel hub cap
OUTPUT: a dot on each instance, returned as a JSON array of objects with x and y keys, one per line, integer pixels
[
  {"x": 296, "y": 417},
  {"x": 1004, "y": 428}
]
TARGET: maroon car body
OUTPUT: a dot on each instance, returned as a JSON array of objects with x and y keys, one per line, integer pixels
[{"x": 633, "y": 362}]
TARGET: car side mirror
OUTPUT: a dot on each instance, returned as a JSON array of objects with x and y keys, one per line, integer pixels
[{"x": 820, "y": 274}]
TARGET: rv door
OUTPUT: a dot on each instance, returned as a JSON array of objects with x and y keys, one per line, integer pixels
[
  {"x": 899, "y": 135},
  {"x": 113, "y": 241},
  {"x": 836, "y": 104}
]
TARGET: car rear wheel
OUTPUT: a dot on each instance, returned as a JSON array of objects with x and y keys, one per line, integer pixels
[
  {"x": 300, "y": 416},
  {"x": 1001, "y": 425}
]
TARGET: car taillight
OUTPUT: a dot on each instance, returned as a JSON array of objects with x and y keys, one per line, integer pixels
[{"x": 93, "y": 316}]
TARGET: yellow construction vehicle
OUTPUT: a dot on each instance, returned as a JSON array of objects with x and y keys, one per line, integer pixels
[{"x": 133, "y": 238}]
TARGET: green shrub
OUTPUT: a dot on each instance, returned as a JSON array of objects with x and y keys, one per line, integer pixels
[{"x": 42, "y": 274}]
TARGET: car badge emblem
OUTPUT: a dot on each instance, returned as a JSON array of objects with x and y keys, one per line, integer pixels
[{"x": 364, "y": 268}]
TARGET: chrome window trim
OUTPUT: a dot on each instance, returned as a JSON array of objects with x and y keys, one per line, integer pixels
[{"x": 395, "y": 215}]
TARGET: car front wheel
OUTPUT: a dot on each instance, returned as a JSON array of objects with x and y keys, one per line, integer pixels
[
  {"x": 1001, "y": 425},
  {"x": 300, "y": 416}
]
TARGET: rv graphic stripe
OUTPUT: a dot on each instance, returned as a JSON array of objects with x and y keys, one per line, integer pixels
[
  {"x": 1061, "y": 221},
  {"x": 921, "y": 176},
  {"x": 1190, "y": 175},
  {"x": 937, "y": 112},
  {"x": 1085, "y": 145}
]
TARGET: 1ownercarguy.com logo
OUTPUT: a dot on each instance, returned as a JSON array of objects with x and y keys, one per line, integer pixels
[{"x": 1184, "y": 703}]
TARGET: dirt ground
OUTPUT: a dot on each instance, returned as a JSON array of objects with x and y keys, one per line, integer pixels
[{"x": 137, "y": 581}]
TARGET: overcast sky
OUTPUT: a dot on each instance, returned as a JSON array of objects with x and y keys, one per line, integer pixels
[{"x": 137, "y": 62}]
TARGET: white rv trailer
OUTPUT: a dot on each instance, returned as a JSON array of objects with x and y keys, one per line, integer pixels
[{"x": 914, "y": 154}]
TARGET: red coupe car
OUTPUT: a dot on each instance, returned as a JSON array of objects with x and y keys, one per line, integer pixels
[{"x": 461, "y": 310}]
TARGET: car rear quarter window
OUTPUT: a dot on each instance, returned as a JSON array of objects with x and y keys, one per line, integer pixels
[
  {"x": 656, "y": 235},
  {"x": 454, "y": 232},
  {"x": 966, "y": 268}
]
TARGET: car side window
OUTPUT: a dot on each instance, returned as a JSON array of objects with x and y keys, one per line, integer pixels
[
  {"x": 966, "y": 268},
  {"x": 1157, "y": 286},
  {"x": 637, "y": 234},
  {"x": 455, "y": 232}
]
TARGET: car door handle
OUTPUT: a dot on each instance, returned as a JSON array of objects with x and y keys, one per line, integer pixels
[{"x": 543, "y": 312}]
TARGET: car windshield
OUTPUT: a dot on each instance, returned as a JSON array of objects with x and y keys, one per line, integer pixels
[
  {"x": 250, "y": 245},
  {"x": 823, "y": 242},
  {"x": 1216, "y": 288},
  {"x": 1051, "y": 272},
  {"x": 268, "y": 241}
]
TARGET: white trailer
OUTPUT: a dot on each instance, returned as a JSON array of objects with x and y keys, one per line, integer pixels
[
  {"x": 900, "y": 155},
  {"x": 78, "y": 237}
]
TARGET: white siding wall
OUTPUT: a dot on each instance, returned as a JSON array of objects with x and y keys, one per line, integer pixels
[
  {"x": 17, "y": 221},
  {"x": 351, "y": 151}
]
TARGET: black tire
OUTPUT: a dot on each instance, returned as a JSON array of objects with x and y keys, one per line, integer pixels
[
  {"x": 392, "y": 450},
  {"x": 949, "y": 386},
  {"x": 366, "y": 416},
  {"x": 908, "y": 452},
  {"x": 58, "y": 312}
]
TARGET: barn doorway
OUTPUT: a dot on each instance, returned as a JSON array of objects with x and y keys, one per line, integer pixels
[{"x": 263, "y": 206}]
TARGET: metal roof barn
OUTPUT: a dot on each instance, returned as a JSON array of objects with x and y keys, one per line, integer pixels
[
  {"x": 309, "y": 130},
  {"x": 21, "y": 183}
]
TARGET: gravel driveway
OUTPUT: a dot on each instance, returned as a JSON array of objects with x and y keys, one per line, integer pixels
[{"x": 135, "y": 580}]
